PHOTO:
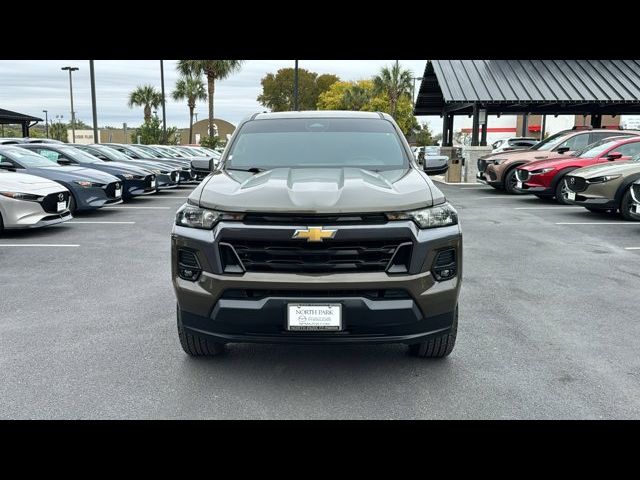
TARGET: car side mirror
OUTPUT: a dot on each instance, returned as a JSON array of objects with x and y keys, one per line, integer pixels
[
  {"x": 212, "y": 165},
  {"x": 7, "y": 166},
  {"x": 614, "y": 156},
  {"x": 435, "y": 165},
  {"x": 562, "y": 150},
  {"x": 64, "y": 161}
]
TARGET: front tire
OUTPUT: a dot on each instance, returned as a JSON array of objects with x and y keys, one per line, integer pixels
[
  {"x": 510, "y": 182},
  {"x": 194, "y": 345},
  {"x": 625, "y": 206},
  {"x": 437, "y": 347},
  {"x": 561, "y": 192}
]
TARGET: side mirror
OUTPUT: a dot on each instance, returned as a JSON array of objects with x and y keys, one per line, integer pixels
[
  {"x": 212, "y": 165},
  {"x": 614, "y": 156},
  {"x": 64, "y": 161},
  {"x": 7, "y": 166},
  {"x": 435, "y": 165},
  {"x": 562, "y": 150}
]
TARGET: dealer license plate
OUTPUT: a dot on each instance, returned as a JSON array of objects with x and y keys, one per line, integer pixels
[
  {"x": 118, "y": 193},
  {"x": 571, "y": 195},
  {"x": 62, "y": 206},
  {"x": 519, "y": 184},
  {"x": 317, "y": 317},
  {"x": 153, "y": 184}
]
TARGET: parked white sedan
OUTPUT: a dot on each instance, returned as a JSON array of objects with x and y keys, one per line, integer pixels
[{"x": 27, "y": 201}]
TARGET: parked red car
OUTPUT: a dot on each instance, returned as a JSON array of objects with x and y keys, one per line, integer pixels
[{"x": 544, "y": 178}]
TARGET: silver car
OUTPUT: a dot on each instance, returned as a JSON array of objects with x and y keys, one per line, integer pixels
[{"x": 27, "y": 201}]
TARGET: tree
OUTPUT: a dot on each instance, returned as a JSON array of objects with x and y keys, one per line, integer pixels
[
  {"x": 58, "y": 131},
  {"x": 145, "y": 96},
  {"x": 213, "y": 70},
  {"x": 331, "y": 99},
  {"x": 191, "y": 88},
  {"x": 424, "y": 136},
  {"x": 277, "y": 90},
  {"x": 358, "y": 96},
  {"x": 151, "y": 133},
  {"x": 395, "y": 84}
]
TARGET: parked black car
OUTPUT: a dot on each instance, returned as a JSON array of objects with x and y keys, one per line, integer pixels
[{"x": 138, "y": 153}]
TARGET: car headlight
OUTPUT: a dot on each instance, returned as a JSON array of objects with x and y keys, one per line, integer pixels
[
  {"x": 127, "y": 176},
  {"x": 22, "y": 196},
  {"x": 604, "y": 178},
  {"x": 541, "y": 171},
  {"x": 197, "y": 217},
  {"x": 87, "y": 183},
  {"x": 441, "y": 215}
]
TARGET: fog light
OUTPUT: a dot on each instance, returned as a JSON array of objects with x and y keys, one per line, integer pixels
[
  {"x": 188, "y": 265},
  {"x": 444, "y": 265}
]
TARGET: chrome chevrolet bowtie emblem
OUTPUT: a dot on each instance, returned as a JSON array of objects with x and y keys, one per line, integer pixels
[{"x": 314, "y": 234}]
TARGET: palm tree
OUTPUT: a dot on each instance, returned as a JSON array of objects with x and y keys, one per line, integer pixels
[
  {"x": 213, "y": 70},
  {"x": 191, "y": 88},
  {"x": 356, "y": 97},
  {"x": 145, "y": 96},
  {"x": 394, "y": 83}
]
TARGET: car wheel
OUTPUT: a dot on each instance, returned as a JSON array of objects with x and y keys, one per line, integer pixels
[
  {"x": 562, "y": 192},
  {"x": 625, "y": 206},
  {"x": 194, "y": 345},
  {"x": 510, "y": 182},
  {"x": 437, "y": 347},
  {"x": 72, "y": 204}
]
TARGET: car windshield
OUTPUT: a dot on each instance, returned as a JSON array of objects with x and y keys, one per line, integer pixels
[
  {"x": 110, "y": 152},
  {"x": 186, "y": 151},
  {"x": 143, "y": 152},
  {"x": 371, "y": 144},
  {"x": 29, "y": 159},
  {"x": 170, "y": 152},
  {"x": 596, "y": 149},
  {"x": 551, "y": 142},
  {"x": 79, "y": 155}
]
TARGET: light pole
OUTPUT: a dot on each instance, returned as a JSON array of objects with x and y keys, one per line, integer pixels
[
  {"x": 164, "y": 113},
  {"x": 295, "y": 87},
  {"x": 73, "y": 114},
  {"x": 46, "y": 122},
  {"x": 93, "y": 103}
]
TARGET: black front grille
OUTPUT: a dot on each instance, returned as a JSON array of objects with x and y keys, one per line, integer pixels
[
  {"x": 305, "y": 257},
  {"x": 257, "y": 294},
  {"x": 50, "y": 202},
  {"x": 523, "y": 175},
  {"x": 577, "y": 184},
  {"x": 288, "y": 219},
  {"x": 111, "y": 188},
  {"x": 482, "y": 165},
  {"x": 444, "y": 265},
  {"x": 185, "y": 175},
  {"x": 635, "y": 192}
]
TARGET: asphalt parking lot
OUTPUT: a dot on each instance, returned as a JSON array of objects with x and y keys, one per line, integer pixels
[{"x": 548, "y": 327}]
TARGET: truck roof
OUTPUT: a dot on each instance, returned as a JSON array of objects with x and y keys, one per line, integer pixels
[{"x": 317, "y": 114}]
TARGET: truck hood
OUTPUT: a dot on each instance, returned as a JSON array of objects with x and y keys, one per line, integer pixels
[
  {"x": 612, "y": 168},
  {"x": 315, "y": 190}
]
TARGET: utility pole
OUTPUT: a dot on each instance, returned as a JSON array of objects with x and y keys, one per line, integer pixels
[
  {"x": 73, "y": 113},
  {"x": 46, "y": 122},
  {"x": 295, "y": 87},
  {"x": 164, "y": 113},
  {"x": 96, "y": 139}
]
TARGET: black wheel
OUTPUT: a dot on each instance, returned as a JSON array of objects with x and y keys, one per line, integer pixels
[
  {"x": 197, "y": 346},
  {"x": 510, "y": 182},
  {"x": 562, "y": 192},
  {"x": 72, "y": 204},
  {"x": 437, "y": 347},
  {"x": 625, "y": 206}
]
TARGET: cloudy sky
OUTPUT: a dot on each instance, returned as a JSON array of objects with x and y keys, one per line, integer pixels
[{"x": 30, "y": 86}]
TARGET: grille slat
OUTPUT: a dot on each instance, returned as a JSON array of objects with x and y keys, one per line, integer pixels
[
  {"x": 111, "y": 188},
  {"x": 576, "y": 184},
  {"x": 256, "y": 294},
  {"x": 50, "y": 202},
  {"x": 523, "y": 175},
  {"x": 287, "y": 219},
  {"x": 482, "y": 165},
  {"x": 263, "y": 256}
]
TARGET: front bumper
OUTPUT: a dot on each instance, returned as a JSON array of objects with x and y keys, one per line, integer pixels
[
  {"x": 488, "y": 178},
  {"x": 427, "y": 307},
  {"x": 21, "y": 214},
  {"x": 138, "y": 187},
  {"x": 91, "y": 198}
]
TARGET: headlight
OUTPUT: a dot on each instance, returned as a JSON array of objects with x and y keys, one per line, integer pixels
[
  {"x": 196, "y": 217},
  {"x": 87, "y": 183},
  {"x": 21, "y": 196},
  {"x": 441, "y": 215},
  {"x": 604, "y": 178},
  {"x": 541, "y": 171},
  {"x": 127, "y": 176}
]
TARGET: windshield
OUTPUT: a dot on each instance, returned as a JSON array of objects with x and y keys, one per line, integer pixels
[
  {"x": 28, "y": 159},
  {"x": 143, "y": 152},
  {"x": 551, "y": 142},
  {"x": 596, "y": 149},
  {"x": 186, "y": 151},
  {"x": 371, "y": 144},
  {"x": 79, "y": 156},
  {"x": 110, "y": 153}
]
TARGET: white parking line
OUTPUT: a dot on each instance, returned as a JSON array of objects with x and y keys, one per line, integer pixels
[
  {"x": 36, "y": 245},
  {"x": 632, "y": 248},
  {"x": 543, "y": 208},
  {"x": 105, "y": 223},
  {"x": 493, "y": 197},
  {"x": 136, "y": 208},
  {"x": 597, "y": 223}
]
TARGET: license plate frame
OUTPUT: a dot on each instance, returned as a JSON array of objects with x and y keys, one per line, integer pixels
[{"x": 334, "y": 323}]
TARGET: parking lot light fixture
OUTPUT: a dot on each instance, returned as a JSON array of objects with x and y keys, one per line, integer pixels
[{"x": 73, "y": 116}]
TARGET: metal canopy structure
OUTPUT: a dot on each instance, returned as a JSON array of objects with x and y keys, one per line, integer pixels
[
  {"x": 27, "y": 121},
  {"x": 507, "y": 87}
]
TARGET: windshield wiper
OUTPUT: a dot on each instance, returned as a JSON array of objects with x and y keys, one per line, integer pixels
[{"x": 250, "y": 169}]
